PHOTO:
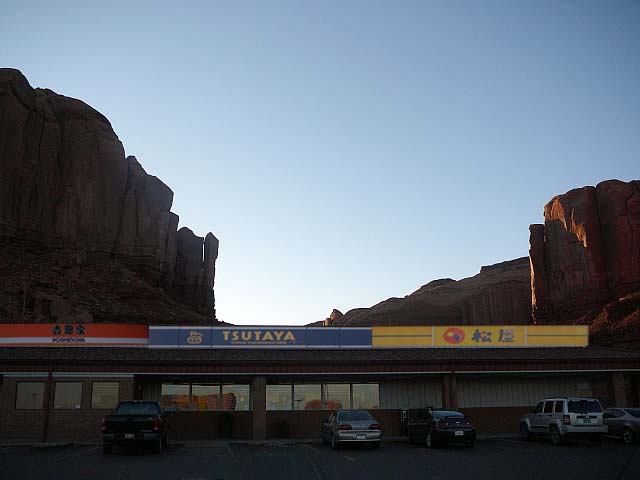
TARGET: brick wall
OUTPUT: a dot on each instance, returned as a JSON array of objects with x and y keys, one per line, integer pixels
[
  {"x": 19, "y": 424},
  {"x": 209, "y": 425},
  {"x": 79, "y": 425},
  {"x": 307, "y": 423}
]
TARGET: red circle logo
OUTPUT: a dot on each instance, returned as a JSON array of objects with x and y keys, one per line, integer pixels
[{"x": 453, "y": 335}]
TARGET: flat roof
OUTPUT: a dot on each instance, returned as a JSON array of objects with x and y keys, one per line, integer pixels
[{"x": 314, "y": 356}]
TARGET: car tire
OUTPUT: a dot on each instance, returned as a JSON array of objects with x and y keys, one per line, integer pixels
[
  {"x": 157, "y": 446},
  {"x": 525, "y": 433},
  {"x": 107, "y": 448},
  {"x": 628, "y": 436},
  {"x": 554, "y": 433},
  {"x": 335, "y": 445},
  {"x": 430, "y": 441},
  {"x": 324, "y": 439}
]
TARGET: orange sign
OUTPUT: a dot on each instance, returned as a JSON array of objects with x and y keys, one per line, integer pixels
[{"x": 81, "y": 334}]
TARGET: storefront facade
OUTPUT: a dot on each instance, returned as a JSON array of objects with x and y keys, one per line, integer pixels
[{"x": 61, "y": 394}]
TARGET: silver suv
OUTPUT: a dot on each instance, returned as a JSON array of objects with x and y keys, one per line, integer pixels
[{"x": 564, "y": 417}]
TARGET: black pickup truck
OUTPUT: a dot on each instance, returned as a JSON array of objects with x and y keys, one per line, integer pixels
[{"x": 136, "y": 422}]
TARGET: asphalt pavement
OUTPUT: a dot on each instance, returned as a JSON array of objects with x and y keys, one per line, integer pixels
[{"x": 489, "y": 459}]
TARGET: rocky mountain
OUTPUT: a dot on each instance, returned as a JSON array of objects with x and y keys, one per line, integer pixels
[
  {"x": 499, "y": 294},
  {"x": 85, "y": 233},
  {"x": 585, "y": 259},
  {"x": 583, "y": 268}
]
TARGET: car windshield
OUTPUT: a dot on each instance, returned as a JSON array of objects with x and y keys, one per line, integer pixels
[
  {"x": 445, "y": 413},
  {"x": 584, "y": 406},
  {"x": 634, "y": 412},
  {"x": 137, "y": 409},
  {"x": 355, "y": 416}
]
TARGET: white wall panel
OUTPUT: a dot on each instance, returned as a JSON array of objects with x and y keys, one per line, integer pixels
[
  {"x": 403, "y": 395},
  {"x": 522, "y": 391}
]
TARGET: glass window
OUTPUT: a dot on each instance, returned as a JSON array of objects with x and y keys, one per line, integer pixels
[
  {"x": 437, "y": 414},
  {"x": 354, "y": 416},
  {"x": 104, "y": 394},
  {"x": 558, "y": 406},
  {"x": 279, "y": 397},
  {"x": 205, "y": 397},
  {"x": 235, "y": 397},
  {"x": 538, "y": 408},
  {"x": 337, "y": 396},
  {"x": 548, "y": 407},
  {"x": 175, "y": 395},
  {"x": 584, "y": 406},
  {"x": 307, "y": 397},
  {"x": 68, "y": 395},
  {"x": 30, "y": 395},
  {"x": 366, "y": 395},
  {"x": 138, "y": 408}
]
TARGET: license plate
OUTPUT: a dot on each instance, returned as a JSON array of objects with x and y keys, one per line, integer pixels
[
  {"x": 586, "y": 420},
  {"x": 361, "y": 437},
  {"x": 459, "y": 433},
  {"x": 129, "y": 435}
]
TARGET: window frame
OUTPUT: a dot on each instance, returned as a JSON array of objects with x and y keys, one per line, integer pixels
[
  {"x": 42, "y": 405},
  {"x": 117, "y": 396},
  {"x": 55, "y": 390}
]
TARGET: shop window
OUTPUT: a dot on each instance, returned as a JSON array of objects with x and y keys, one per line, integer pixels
[
  {"x": 174, "y": 396},
  {"x": 68, "y": 395},
  {"x": 279, "y": 397},
  {"x": 104, "y": 395},
  {"x": 205, "y": 397},
  {"x": 235, "y": 397},
  {"x": 337, "y": 396},
  {"x": 366, "y": 395},
  {"x": 30, "y": 395},
  {"x": 307, "y": 397}
]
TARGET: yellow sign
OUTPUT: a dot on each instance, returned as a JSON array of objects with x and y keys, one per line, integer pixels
[
  {"x": 482, "y": 336},
  {"x": 402, "y": 336}
]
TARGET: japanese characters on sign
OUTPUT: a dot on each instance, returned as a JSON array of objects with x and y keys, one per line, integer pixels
[{"x": 69, "y": 334}]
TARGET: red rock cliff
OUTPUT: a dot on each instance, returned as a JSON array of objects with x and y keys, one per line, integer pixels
[
  {"x": 587, "y": 253},
  {"x": 66, "y": 186}
]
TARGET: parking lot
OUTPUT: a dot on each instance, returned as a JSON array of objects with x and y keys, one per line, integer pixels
[{"x": 489, "y": 459}]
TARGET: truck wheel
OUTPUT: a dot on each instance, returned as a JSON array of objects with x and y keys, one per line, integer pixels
[
  {"x": 157, "y": 446},
  {"x": 525, "y": 434},
  {"x": 554, "y": 433},
  {"x": 628, "y": 436},
  {"x": 106, "y": 448}
]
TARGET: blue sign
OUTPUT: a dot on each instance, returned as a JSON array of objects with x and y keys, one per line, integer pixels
[{"x": 259, "y": 337}]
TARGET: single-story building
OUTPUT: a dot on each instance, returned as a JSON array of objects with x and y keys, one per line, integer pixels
[{"x": 61, "y": 393}]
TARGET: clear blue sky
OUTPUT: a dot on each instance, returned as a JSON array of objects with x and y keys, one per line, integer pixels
[{"x": 345, "y": 152}]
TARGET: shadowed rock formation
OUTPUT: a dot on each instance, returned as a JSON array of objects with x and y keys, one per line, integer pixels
[
  {"x": 68, "y": 191},
  {"x": 499, "y": 294}
]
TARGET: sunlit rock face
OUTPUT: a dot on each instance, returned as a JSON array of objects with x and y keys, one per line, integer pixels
[
  {"x": 587, "y": 253},
  {"x": 68, "y": 192}
]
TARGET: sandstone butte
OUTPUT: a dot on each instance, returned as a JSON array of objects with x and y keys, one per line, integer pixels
[
  {"x": 85, "y": 233},
  {"x": 585, "y": 260},
  {"x": 583, "y": 268}
]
